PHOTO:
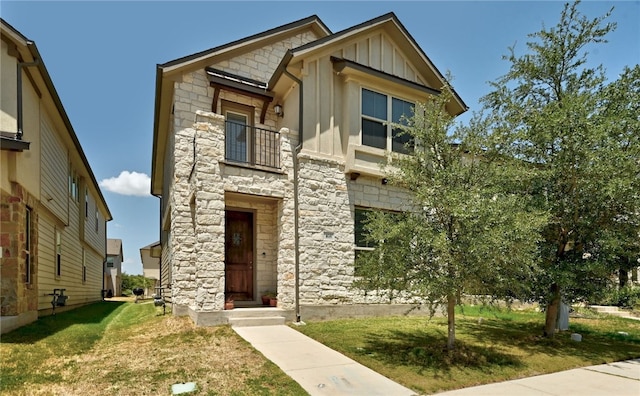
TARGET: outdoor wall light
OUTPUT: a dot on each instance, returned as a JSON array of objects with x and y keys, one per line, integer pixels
[{"x": 278, "y": 109}]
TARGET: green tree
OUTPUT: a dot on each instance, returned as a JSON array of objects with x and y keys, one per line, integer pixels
[
  {"x": 581, "y": 135},
  {"x": 469, "y": 230},
  {"x": 129, "y": 282}
]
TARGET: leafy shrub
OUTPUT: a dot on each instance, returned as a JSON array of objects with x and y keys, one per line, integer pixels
[{"x": 626, "y": 297}]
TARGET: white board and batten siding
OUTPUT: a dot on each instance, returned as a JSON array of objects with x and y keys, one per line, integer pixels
[{"x": 331, "y": 104}]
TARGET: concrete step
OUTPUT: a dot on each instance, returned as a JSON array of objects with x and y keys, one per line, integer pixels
[
  {"x": 254, "y": 312},
  {"x": 256, "y": 321}
]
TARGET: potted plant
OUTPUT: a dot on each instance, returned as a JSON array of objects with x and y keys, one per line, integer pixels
[
  {"x": 228, "y": 304},
  {"x": 267, "y": 296}
]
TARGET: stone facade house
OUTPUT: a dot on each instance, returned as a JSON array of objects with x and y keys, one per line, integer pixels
[
  {"x": 52, "y": 213},
  {"x": 266, "y": 154}
]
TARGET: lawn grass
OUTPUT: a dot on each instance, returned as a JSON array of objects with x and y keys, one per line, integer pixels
[
  {"x": 110, "y": 348},
  {"x": 491, "y": 345}
]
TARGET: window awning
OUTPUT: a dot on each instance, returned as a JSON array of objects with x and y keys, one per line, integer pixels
[
  {"x": 219, "y": 79},
  {"x": 350, "y": 67}
]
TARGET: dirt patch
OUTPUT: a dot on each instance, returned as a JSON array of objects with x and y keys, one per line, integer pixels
[{"x": 148, "y": 359}]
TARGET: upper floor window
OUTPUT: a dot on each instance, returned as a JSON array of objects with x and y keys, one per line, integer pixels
[
  {"x": 110, "y": 263},
  {"x": 73, "y": 184},
  {"x": 378, "y": 116},
  {"x": 86, "y": 202},
  {"x": 237, "y": 137},
  {"x": 238, "y": 131}
]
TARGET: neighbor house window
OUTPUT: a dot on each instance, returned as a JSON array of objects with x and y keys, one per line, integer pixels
[
  {"x": 27, "y": 245},
  {"x": 378, "y": 115},
  {"x": 86, "y": 203},
  {"x": 74, "y": 191},
  {"x": 58, "y": 253},
  {"x": 84, "y": 266},
  {"x": 109, "y": 262}
]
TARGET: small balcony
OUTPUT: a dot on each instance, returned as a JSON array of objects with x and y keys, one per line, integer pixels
[{"x": 251, "y": 146}]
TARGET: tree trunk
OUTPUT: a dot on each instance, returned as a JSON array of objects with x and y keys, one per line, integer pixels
[
  {"x": 451, "y": 319},
  {"x": 552, "y": 312},
  {"x": 623, "y": 277}
]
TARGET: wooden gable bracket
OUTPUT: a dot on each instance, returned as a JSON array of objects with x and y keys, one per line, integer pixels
[{"x": 221, "y": 80}]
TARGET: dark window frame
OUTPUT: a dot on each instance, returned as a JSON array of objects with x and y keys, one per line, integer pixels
[{"x": 376, "y": 123}]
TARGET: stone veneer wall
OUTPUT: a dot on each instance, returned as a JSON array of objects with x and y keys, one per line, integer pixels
[
  {"x": 328, "y": 199},
  {"x": 198, "y": 204},
  {"x": 18, "y": 298}
]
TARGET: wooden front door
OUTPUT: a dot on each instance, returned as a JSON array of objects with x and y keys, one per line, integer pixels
[{"x": 239, "y": 255}]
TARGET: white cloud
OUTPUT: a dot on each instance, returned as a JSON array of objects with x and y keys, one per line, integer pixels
[{"x": 128, "y": 183}]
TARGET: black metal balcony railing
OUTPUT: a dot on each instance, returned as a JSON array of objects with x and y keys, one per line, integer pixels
[{"x": 251, "y": 145}]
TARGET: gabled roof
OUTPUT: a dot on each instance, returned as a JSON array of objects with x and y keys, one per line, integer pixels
[
  {"x": 396, "y": 30},
  {"x": 114, "y": 247},
  {"x": 200, "y": 60},
  {"x": 313, "y": 21},
  {"x": 389, "y": 22},
  {"x": 29, "y": 53}
]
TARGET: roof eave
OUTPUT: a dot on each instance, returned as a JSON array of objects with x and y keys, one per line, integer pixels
[{"x": 44, "y": 73}]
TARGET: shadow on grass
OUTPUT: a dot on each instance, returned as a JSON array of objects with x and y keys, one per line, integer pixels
[
  {"x": 427, "y": 351},
  {"x": 495, "y": 343},
  {"x": 527, "y": 336},
  {"x": 50, "y": 325}
]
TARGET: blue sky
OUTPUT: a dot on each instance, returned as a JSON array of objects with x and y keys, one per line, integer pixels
[{"x": 102, "y": 57}]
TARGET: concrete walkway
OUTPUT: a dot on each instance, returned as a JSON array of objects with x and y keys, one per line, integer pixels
[
  {"x": 323, "y": 371},
  {"x": 318, "y": 369},
  {"x": 613, "y": 379}
]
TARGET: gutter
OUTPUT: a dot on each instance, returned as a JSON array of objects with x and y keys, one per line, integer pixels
[{"x": 296, "y": 214}]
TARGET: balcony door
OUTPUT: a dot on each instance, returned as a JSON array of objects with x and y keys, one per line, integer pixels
[{"x": 238, "y": 136}]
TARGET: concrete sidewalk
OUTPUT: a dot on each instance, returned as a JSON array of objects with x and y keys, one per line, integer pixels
[
  {"x": 318, "y": 369},
  {"x": 323, "y": 371},
  {"x": 619, "y": 379}
]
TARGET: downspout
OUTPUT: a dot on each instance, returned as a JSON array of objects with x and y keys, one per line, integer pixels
[
  {"x": 19, "y": 120},
  {"x": 160, "y": 292},
  {"x": 296, "y": 236}
]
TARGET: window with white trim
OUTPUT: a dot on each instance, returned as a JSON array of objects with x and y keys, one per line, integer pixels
[
  {"x": 379, "y": 113},
  {"x": 84, "y": 266},
  {"x": 58, "y": 253},
  {"x": 74, "y": 191}
]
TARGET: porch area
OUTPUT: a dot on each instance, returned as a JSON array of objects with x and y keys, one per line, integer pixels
[{"x": 251, "y": 249}]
